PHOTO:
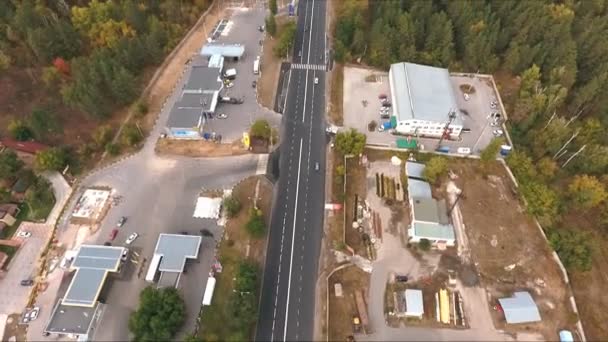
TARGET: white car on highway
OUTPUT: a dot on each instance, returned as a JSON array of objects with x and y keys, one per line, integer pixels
[
  {"x": 131, "y": 238},
  {"x": 24, "y": 234},
  {"x": 222, "y": 116}
]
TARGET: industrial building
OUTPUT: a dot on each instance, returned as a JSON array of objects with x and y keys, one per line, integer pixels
[
  {"x": 430, "y": 221},
  {"x": 423, "y": 101},
  {"x": 78, "y": 312},
  {"x": 198, "y": 99},
  {"x": 170, "y": 256}
]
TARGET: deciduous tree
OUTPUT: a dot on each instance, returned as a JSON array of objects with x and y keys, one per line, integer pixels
[
  {"x": 587, "y": 191},
  {"x": 53, "y": 159},
  {"x": 10, "y": 164},
  {"x": 435, "y": 168},
  {"x": 350, "y": 142},
  {"x": 160, "y": 314}
]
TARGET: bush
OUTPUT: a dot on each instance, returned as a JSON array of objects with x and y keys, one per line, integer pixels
[
  {"x": 53, "y": 159},
  {"x": 19, "y": 130},
  {"x": 372, "y": 125},
  {"x": 424, "y": 244},
  {"x": 131, "y": 135},
  {"x": 102, "y": 136},
  {"x": 40, "y": 198},
  {"x": 232, "y": 206},
  {"x": 271, "y": 25},
  {"x": 542, "y": 201},
  {"x": 286, "y": 39},
  {"x": 256, "y": 227},
  {"x": 10, "y": 164},
  {"x": 261, "y": 129},
  {"x": 573, "y": 248},
  {"x": 112, "y": 149},
  {"x": 141, "y": 108},
  {"x": 350, "y": 142}
]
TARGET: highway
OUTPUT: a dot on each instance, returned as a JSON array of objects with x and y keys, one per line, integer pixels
[{"x": 287, "y": 304}]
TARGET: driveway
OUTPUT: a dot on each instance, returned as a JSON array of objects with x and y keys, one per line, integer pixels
[{"x": 62, "y": 191}]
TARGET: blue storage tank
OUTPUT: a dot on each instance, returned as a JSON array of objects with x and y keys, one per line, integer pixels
[{"x": 387, "y": 125}]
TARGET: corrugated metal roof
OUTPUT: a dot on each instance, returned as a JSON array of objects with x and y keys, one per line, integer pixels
[
  {"x": 423, "y": 92},
  {"x": 175, "y": 249},
  {"x": 202, "y": 78},
  {"x": 418, "y": 189},
  {"x": 425, "y": 209},
  {"x": 520, "y": 308},
  {"x": 413, "y": 302},
  {"x": 414, "y": 170},
  {"x": 226, "y": 50},
  {"x": 434, "y": 231},
  {"x": 184, "y": 117}
]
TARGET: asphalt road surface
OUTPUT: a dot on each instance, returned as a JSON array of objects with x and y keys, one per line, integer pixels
[{"x": 288, "y": 288}]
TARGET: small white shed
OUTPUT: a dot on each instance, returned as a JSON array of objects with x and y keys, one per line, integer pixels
[{"x": 414, "y": 306}]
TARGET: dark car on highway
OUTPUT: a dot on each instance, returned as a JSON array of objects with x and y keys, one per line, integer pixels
[{"x": 27, "y": 282}]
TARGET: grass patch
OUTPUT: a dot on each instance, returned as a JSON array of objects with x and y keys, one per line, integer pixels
[{"x": 336, "y": 95}]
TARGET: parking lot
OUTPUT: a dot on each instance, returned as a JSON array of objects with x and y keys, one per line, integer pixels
[
  {"x": 361, "y": 106},
  {"x": 244, "y": 23}
]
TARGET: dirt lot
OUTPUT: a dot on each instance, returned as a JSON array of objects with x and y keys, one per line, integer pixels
[
  {"x": 198, "y": 148},
  {"x": 355, "y": 186},
  {"x": 341, "y": 310},
  {"x": 13, "y": 330},
  {"x": 271, "y": 65},
  {"x": 235, "y": 247},
  {"x": 501, "y": 234}
]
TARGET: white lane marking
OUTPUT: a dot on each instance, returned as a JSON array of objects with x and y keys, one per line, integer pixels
[
  {"x": 295, "y": 215},
  {"x": 287, "y": 92}
]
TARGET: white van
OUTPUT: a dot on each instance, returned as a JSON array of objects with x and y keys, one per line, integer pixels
[
  {"x": 230, "y": 74},
  {"x": 256, "y": 66}
]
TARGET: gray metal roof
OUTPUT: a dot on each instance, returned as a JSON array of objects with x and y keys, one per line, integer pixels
[
  {"x": 67, "y": 319},
  {"x": 425, "y": 209},
  {"x": 98, "y": 257},
  {"x": 418, "y": 189},
  {"x": 92, "y": 264},
  {"x": 414, "y": 170},
  {"x": 203, "y": 101},
  {"x": 520, "y": 308},
  {"x": 413, "y": 301},
  {"x": 175, "y": 249},
  {"x": 226, "y": 50},
  {"x": 422, "y": 92},
  {"x": 185, "y": 117},
  {"x": 202, "y": 78}
]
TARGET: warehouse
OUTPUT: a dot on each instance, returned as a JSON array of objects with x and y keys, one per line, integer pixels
[
  {"x": 423, "y": 101},
  {"x": 197, "y": 102}
]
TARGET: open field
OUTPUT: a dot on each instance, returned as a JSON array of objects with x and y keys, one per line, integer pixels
[
  {"x": 342, "y": 310},
  {"x": 501, "y": 235},
  {"x": 235, "y": 247},
  {"x": 198, "y": 148}
]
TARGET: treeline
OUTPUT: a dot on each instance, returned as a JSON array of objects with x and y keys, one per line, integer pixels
[{"x": 93, "y": 52}]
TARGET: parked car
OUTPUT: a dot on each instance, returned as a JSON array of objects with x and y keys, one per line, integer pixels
[
  {"x": 230, "y": 85},
  {"x": 261, "y": 28},
  {"x": 316, "y": 80},
  {"x": 107, "y": 243},
  {"x": 466, "y": 130},
  {"x": 131, "y": 238},
  {"x": 382, "y": 96},
  {"x": 317, "y": 166},
  {"x": 121, "y": 221},
  {"x": 125, "y": 255},
  {"x": 387, "y": 104},
  {"x": 222, "y": 116},
  {"x": 24, "y": 234},
  {"x": 206, "y": 232},
  {"x": 113, "y": 234},
  {"x": 401, "y": 278},
  {"x": 495, "y": 123},
  {"x": 33, "y": 314},
  {"x": 498, "y": 132},
  {"x": 464, "y": 150},
  {"x": 254, "y": 84},
  {"x": 27, "y": 282},
  {"x": 466, "y": 97}
]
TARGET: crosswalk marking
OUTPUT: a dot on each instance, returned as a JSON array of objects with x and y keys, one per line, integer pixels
[
  {"x": 301, "y": 66},
  {"x": 262, "y": 164}
]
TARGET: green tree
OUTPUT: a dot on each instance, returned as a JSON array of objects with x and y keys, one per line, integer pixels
[
  {"x": 350, "y": 142},
  {"x": 488, "y": 155},
  {"x": 44, "y": 123},
  {"x": 131, "y": 135},
  {"x": 256, "y": 227},
  {"x": 547, "y": 168},
  {"x": 271, "y": 25},
  {"x": 19, "y": 130},
  {"x": 272, "y": 4},
  {"x": 521, "y": 165},
  {"x": 593, "y": 160},
  {"x": 260, "y": 129},
  {"x": 542, "y": 201},
  {"x": 40, "y": 198},
  {"x": 587, "y": 191},
  {"x": 439, "y": 44},
  {"x": 435, "y": 168},
  {"x": 160, "y": 314},
  {"x": 424, "y": 244},
  {"x": 5, "y": 61},
  {"x": 548, "y": 141},
  {"x": 53, "y": 159},
  {"x": 232, "y": 206},
  {"x": 51, "y": 77},
  {"x": 112, "y": 149},
  {"x": 10, "y": 164},
  {"x": 573, "y": 248},
  {"x": 288, "y": 34}
]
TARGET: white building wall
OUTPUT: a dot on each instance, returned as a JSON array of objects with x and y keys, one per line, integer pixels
[{"x": 425, "y": 128}]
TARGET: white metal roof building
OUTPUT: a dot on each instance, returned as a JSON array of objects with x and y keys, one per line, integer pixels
[
  {"x": 225, "y": 50},
  {"x": 520, "y": 308},
  {"x": 414, "y": 170},
  {"x": 418, "y": 189},
  {"x": 422, "y": 99},
  {"x": 430, "y": 221},
  {"x": 414, "y": 306}
]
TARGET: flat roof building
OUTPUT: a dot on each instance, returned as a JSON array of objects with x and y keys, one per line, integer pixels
[
  {"x": 414, "y": 170},
  {"x": 423, "y": 98},
  {"x": 175, "y": 250},
  {"x": 225, "y": 50},
  {"x": 414, "y": 306},
  {"x": 520, "y": 308},
  {"x": 418, "y": 189},
  {"x": 430, "y": 221}
]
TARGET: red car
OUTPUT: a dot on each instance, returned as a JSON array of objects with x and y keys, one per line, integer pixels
[
  {"x": 113, "y": 234},
  {"x": 382, "y": 96}
]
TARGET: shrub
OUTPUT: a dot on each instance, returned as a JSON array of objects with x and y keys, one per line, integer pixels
[
  {"x": 112, "y": 149},
  {"x": 232, "y": 206},
  {"x": 19, "y": 130},
  {"x": 424, "y": 244},
  {"x": 435, "y": 168},
  {"x": 573, "y": 248},
  {"x": 260, "y": 129},
  {"x": 141, "y": 108},
  {"x": 131, "y": 135},
  {"x": 256, "y": 227}
]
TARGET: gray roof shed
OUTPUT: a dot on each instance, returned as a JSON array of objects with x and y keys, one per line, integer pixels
[
  {"x": 203, "y": 79},
  {"x": 185, "y": 117},
  {"x": 226, "y": 50},
  {"x": 413, "y": 302},
  {"x": 418, "y": 189},
  {"x": 422, "y": 92},
  {"x": 520, "y": 308},
  {"x": 430, "y": 210},
  {"x": 414, "y": 170}
]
